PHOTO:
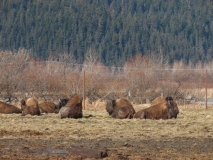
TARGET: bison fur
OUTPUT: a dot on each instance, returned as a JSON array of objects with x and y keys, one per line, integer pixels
[
  {"x": 30, "y": 106},
  {"x": 8, "y": 108},
  {"x": 120, "y": 108},
  {"x": 63, "y": 102},
  {"x": 72, "y": 109},
  {"x": 161, "y": 108},
  {"x": 48, "y": 107}
]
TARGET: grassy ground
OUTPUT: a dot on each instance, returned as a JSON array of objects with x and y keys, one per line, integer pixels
[{"x": 190, "y": 136}]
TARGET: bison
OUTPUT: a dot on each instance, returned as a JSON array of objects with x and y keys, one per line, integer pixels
[
  {"x": 172, "y": 108},
  {"x": 63, "y": 102},
  {"x": 120, "y": 108},
  {"x": 8, "y": 108},
  {"x": 161, "y": 108},
  {"x": 30, "y": 106},
  {"x": 48, "y": 107},
  {"x": 72, "y": 109}
]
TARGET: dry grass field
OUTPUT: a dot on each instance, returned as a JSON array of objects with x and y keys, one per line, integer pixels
[{"x": 97, "y": 136}]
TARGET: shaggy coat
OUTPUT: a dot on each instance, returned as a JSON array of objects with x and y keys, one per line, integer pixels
[
  {"x": 72, "y": 109},
  {"x": 161, "y": 108},
  {"x": 48, "y": 107},
  {"x": 121, "y": 108},
  {"x": 62, "y": 102},
  {"x": 173, "y": 110},
  {"x": 30, "y": 106},
  {"x": 8, "y": 109}
]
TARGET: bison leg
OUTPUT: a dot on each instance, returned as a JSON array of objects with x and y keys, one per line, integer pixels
[{"x": 130, "y": 116}]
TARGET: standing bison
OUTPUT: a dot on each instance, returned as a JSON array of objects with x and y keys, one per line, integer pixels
[
  {"x": 30, "y": 106},
  {"x": 161, "y": 108},
  {"x": 8, "y": 109},
  {"x": 120, "y": 108},
  {"x": 48, "y": 107},
  {"x": 72, "y": 109}
]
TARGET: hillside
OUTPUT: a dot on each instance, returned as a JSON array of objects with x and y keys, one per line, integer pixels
[{"x": 113, "y": 29}]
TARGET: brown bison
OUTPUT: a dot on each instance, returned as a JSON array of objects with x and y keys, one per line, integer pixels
[
  {"x": 161, "y": 108},
  {"x": 30, "y": 106},
  {"x": 72, "y": 109},
  {"x": 48, "y": 107},
  {"x": 8, "y": 109},
  {"x": 120, "y": 108}
]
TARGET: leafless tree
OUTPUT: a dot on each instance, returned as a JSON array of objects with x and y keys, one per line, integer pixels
[
  {"x": 12, "y": 65},
  {"x": 91, "y": 57}
]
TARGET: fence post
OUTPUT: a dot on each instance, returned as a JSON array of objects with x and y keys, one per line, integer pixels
[
  {"x": 206, "y": 89},
  {"x": 84, "y": 88}
]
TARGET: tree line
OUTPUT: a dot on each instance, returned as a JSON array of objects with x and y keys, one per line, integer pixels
[
  {"x": 114, "y": 29},
  {"x": 141, "y": 79}
]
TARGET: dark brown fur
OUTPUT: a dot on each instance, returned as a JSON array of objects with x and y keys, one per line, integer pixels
[
  {"x": 62, "y": 102},
  {"x": 8, "y": 108},
  {"x": 48, "y": 107},
  {"x": 161, "y": 108},
  {"x": 30, "y": 106},
  {"x": 121, "y": 108},
  {"x": 173, "y": 110},
  {"x": 73, "y": 108}
]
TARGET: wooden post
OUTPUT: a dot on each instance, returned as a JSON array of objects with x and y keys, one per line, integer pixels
[
  {"x": 206, "y": 89},
  {"x": 84, "y": 88}
]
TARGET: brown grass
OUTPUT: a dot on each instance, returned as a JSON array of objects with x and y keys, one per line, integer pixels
[{"x": 190, "y": 136}]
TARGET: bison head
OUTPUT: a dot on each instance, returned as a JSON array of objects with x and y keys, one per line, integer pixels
[
  {"x": 23, "y": 104},
  {"x": 62, "y": 102},
  {"x": 110, "y": 106},
  {"x": 172, "y": 108}
]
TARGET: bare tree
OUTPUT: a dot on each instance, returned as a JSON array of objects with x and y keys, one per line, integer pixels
[
  {"x": 138, "y": 71},
  {"x": 66, "y": 62},
  {"x": 12, "y": 66},
  {"x": 91, "y": 56}
]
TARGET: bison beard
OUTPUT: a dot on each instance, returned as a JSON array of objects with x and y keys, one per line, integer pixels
[
  {"x": 161, "y": 108},
  {"x": 73, "y": 108},
  {"x": 120, "y": 108}
]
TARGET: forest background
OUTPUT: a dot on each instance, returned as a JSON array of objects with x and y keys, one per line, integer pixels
[
  {"x": 140, "y": 48},
  {"x": 116, "y": 29}
]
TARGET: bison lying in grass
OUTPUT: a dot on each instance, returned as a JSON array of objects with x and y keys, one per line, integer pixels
[
  {"x": 8, "y": 109},
  {"x": 30, "y": 106},
  {"x": 72, "y": 108},
  {"x": 161, "y": 108},
  {"x": 63, "y": 102},
  {"x": 48, "y": 107},
  {"x": 121, "y": 108}
]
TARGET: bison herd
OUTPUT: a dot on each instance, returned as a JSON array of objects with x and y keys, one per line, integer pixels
[{"x": 160, "y": 108}]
